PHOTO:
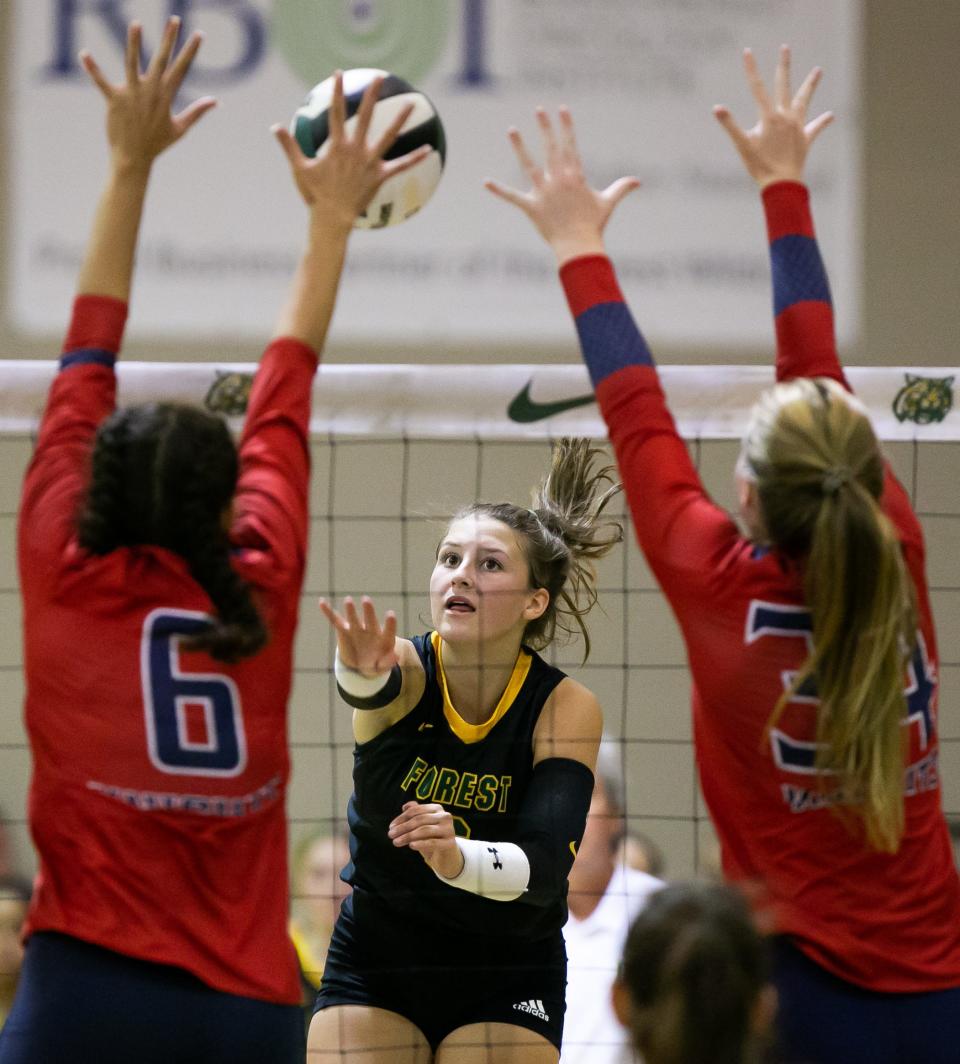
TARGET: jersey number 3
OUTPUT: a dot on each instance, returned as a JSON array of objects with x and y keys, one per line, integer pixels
[
  {"x": 171, "y": 697},
  {"x": 795, "y": 755}
]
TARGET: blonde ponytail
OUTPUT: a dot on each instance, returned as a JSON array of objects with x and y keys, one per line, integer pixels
[{"x": 819, "y": 476}]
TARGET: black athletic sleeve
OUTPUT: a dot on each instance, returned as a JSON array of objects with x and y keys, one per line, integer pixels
[{"x": 553, "y": 815}]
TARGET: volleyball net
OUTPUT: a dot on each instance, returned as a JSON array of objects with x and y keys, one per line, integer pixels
[{"x": 398, "y": 448}]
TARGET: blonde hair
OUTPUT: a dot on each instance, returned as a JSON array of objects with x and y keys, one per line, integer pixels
[{"x": 819, "y": 471}]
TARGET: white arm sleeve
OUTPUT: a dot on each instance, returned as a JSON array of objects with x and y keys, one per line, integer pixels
[{"x": 496, "y": 870}]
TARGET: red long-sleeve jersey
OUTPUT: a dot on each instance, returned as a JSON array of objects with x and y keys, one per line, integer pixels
[
  {"x": 885, "y": 922},
  {"x": 157, "y": 798}
]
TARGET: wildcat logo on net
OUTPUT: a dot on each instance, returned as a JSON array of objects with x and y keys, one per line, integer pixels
[
  {"x": 229, "y": 393},
  {"x": 924, "y": 400}
]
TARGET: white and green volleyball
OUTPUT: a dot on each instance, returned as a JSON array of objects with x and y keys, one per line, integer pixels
[{"x": 400, "y": 196}]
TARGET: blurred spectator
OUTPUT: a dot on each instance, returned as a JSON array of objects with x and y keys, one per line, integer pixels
[
  {"x": 955, "y": 837},
  {"x": 604, "y": 896},
  {"x": 639, "y": 851},
  {"x": 14, "y": 899},
  {"x": 693, "y": 985},
  {"x": 318, "y": 891}
]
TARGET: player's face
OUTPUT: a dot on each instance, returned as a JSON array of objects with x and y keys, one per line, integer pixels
[{"x": 480, "y": 587}]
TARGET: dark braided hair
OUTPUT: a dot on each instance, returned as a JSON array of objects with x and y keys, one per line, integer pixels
[
  {"x": 694, "y": 967},
  {"x": 561, "y": 536},
  {"x": 164, "y": 474}
]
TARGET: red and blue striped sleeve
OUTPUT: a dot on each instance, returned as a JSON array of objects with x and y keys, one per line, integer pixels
[
  {"x": 682, "y": 533},
  {"x": 82, "y": 394},
  {"x": 803, "y": 314},
  {"x": 802, "y": 307}
]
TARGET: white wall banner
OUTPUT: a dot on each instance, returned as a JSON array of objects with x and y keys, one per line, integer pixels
[
  {"x": 498, "y": 402},
  {"x": 224, "y": 225}
]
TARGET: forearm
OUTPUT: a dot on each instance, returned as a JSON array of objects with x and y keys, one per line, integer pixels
[
  {"x": 107, "y": 268},
  {"x": 803, "y": 310},
  {"x": 535, "y": 865},
  {"x": 306, "y": 314}
]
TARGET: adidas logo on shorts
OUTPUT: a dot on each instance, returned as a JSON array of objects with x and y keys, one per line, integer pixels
[{"x": 534, "y": 1007}]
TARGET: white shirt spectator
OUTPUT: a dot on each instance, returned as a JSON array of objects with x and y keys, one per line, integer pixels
[{"x": 591, "y": 1032}]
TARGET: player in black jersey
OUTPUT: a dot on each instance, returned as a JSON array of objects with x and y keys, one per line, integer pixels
[{"x": 473, "y": 774}]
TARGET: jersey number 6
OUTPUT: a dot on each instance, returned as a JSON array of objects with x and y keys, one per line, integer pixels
[{"x": 169, "y": 693}]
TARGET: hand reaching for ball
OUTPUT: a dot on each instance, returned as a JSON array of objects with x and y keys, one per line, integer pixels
[{"x": 342, "y": 179}]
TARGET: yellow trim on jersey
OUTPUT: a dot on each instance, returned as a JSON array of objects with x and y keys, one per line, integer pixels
[{"x": 473, "y": 733}]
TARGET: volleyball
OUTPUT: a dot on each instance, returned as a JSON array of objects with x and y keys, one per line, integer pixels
[{"x": 401, "y": 196}]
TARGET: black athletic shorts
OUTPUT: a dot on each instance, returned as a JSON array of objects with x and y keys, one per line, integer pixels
[
  {"x": 81, "y": 1004},
  {"x": 440, "y": 979}
]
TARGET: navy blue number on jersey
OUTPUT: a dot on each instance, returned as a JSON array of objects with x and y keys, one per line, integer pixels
[
  {"x": 795, "y": 755},
  {"x": 170, "y": 696}
]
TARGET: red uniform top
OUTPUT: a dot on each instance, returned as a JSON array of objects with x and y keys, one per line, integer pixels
[
  {"x": 885, "y": 922},
  {"x": 157, "y": 798}
]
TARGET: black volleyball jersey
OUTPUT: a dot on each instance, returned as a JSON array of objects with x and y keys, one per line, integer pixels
[{"x": 479, "y": 772}]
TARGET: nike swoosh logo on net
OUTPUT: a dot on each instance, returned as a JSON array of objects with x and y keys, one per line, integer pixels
[{"x": 525, "y": 410}]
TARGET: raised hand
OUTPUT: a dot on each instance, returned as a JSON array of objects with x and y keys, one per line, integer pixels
[
  {"x": 567, "y": 212},
  {"x": 776, "y": 148},
  {"x": 140, "y": 123},
  {"x": 428, "y": 830},
  {"x": 348, "y": 170},
  {"x": 363, "y": 644}
]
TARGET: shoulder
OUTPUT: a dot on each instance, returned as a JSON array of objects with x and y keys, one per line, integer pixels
[{"x": 570, "y": 724}]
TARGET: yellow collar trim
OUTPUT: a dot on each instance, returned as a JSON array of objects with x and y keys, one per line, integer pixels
[{"x": 473, "y": 733}]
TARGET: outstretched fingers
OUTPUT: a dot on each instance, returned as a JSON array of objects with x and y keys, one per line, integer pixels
[
  {"x": 365, "y": 110},
  {"x": 132, "y": 55},
  {"x": 805, "y": 93},
  {"x": 292, "y": 150},
  {"x": 181, "y": 65},
  {"x": 405, "y": 162},
  {"x": 338, "y": 110},
  {"x": 192, "y": 113},
  {"x": 161, "y": 57},
  {"x": 511, "y": 195},
  {"x": 96, "y": 75},
  {"x": 736, "y": 133},
  {"x": 551, "y": 151},
  {"x": 755, "y": 82},
  {"x": 781, "y": 79},
  {"x": 392, "y": 131},
  {"x": 817, "y": 126},
  {"x": 619, "y": 190},
  {"x": 568, "y": 139},
  {"x": 336, "y": 621},
  {"x": 527, "y": 164}
]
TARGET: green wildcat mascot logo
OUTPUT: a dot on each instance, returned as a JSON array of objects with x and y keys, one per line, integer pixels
[{"x": 924, "y": 400}]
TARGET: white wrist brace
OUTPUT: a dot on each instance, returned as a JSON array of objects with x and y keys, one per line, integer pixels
[
  {"x": 355, "y": 683},
  {"x": 496, "y": 870}
]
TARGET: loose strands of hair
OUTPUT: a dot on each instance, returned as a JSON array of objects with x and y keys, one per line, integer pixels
[
  {"x": 694, "y": 967},
  {"x": 859, "y": 594},
  {"x": 562, "y": 535},
  {"x": 163, "y": 474}
]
